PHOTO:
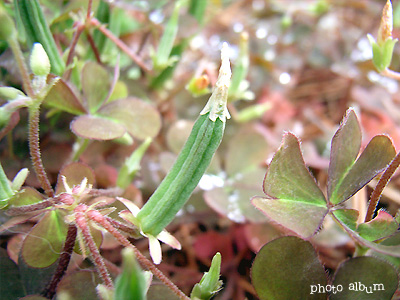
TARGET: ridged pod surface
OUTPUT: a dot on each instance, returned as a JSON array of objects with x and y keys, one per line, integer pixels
[{"x": 192, "y": 161}]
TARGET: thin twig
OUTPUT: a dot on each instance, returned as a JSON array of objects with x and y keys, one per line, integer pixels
[
  {"x": 391, "y": 74},
  {"x": 115, "y": 270},
  {"x": 120, "y": 44},
  {"x": 383, "y": 181},
  {"x": 19, "y": 210},
  {"x": 34, "y": 149},
  {"x": 79, "y": 29},
  {"x": 89, "y": 10},
  {"x": 93, "y": 46},
  {"x": 81, "y": 222},
  {"x": 63, "y": 263},
  {"x": 120, "y": 226},
  {"x": 19, "y": 57},
  {"x": 110, "y": 192},
  {"x": 99, "y": 218}
]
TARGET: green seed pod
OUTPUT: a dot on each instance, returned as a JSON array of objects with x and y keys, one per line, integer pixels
[
  {"x": 193, "y": 159},
  {"x": 37, "y": 31}
]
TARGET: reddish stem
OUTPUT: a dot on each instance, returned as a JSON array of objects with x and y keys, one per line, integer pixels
[
  {"x": 120, "y": 226},
  {"x": 79, "y": 29},
  {"x": 35, "y": 150},
  {"x": 99, "y": 218},
  {"x": 81, "y": 222},
  {"x": 93, "y": 46},
  {"x": 63, "y": 263},
  {"x": 383, "y": 181},
  {"x": 89, "y": 10},
  {"x": 120, "y": 44},
  {"x": 23, "y": 69},
  {"x": 19, "y": 210}
]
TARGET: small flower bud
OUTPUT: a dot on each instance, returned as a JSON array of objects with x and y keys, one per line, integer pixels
[
  {"x": 386, "y": 26},
  {"x": 19, "y": 179},
  {"x": 198, "y": 86},
  {"x": 9, "y": 93},
  {"x": 40, "y": 63},
  {"x": 209, "y": 283}
]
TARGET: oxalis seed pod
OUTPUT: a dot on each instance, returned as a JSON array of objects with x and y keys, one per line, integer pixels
[{"x": 193, "y": 160}]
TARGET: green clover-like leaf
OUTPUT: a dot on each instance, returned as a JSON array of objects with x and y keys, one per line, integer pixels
[
  {"x": 286, "y": 268},
  {"x": 294, "y": 200}
]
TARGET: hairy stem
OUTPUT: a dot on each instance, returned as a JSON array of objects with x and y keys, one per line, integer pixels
[
  {"x": 81, "y": 222},
  {"x": 19, "y": 57},
  {"x": 19, "y": 210},
  {"x": 99, "y": 218},
  {"x": 383, "y": 181},
  {"x": 35, "y": 149},
  {"x": 120, "y": 44},
  {"x": 120, "y": 226},
  {"x": 63, "y": 263}
]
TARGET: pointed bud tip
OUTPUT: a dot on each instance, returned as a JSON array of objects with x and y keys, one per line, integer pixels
[
  {"x": 386, "y": 25},
  {"x": 39, "y": 61}
]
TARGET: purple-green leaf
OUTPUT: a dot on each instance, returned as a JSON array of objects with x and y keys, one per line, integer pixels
[
  {"x": 365, "y": 278},
  {"x": 288, "y": 178},
  {"x": 44, "y": 243},
  {"x": 286, "y": 268},
  {"x": 97, "y": 128},
  {"x": 293, "y": 200},
  {"x": 95, "y": 85},
  {"x": 240, "y": 156},
  {"x": 62, "y": 97},
  {"x": 373, "y": 160},
  {"x": 74, "y": 173},
  {"x": 303, "y": 218},
  {"x": 346, "y": 176},
  {"x": 33, "y": 279},
  {"x": 139, "y": 118},
  {"x": 345, "y": 147},
  {"x": 383, "y": 225},
  {"x": 347, "y": 218},
  {"x": 393, "y": 240},
  {"x": 25, "y": 197}
]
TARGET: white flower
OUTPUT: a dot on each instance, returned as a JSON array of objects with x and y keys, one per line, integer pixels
[{"x": 154, "y": 244}]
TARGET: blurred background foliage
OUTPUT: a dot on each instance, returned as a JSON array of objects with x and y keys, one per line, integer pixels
[{"x": 298, "y": 65}]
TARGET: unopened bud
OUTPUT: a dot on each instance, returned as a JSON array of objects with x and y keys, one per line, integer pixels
[
  {"x": 40, "y": 63},
  {"x": 198, "y": 85},
  {"x": 386, "y": 26},
  {"x": 9, "y": 93}
]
